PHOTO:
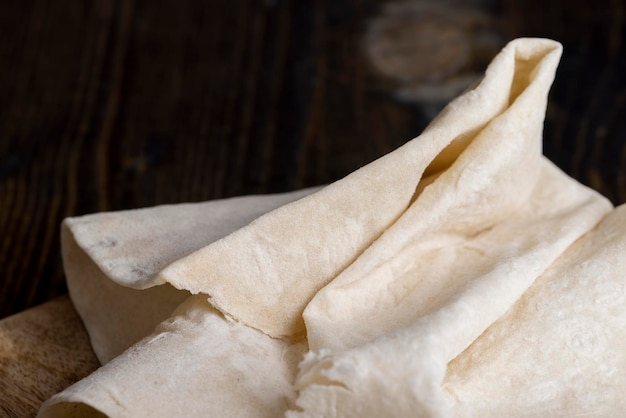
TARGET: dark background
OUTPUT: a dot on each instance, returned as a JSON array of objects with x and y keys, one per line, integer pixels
[{"x": 116, "y": 104}]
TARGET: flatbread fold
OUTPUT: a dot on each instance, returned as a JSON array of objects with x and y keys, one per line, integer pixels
[{"x": 463, "y": 274}]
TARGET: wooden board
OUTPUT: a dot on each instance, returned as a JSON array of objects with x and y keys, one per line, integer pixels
[{"x": 42, "y": 351}]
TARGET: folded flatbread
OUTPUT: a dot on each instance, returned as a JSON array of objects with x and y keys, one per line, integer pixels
[{"x": 462, "y": 274}]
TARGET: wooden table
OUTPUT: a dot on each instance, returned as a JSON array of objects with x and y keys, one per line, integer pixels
[{"x": 116, "y": 104}]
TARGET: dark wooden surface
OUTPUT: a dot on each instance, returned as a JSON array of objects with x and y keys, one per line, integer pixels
[{"x": 115, "y": 104}]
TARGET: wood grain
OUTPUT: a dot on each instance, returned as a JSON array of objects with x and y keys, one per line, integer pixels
[
  {"x": 116, "y": 104},
  {"x": 42, "y": 351}
]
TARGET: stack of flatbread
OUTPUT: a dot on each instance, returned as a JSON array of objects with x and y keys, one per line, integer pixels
[{"x": 461, "y": 275}]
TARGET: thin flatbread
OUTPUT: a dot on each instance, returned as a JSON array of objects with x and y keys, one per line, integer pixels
[{"x": 461, "y": 275}]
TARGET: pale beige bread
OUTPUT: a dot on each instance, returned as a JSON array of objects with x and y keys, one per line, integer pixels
[
  {"x": 561, "y": 350},
  {"x": 469, "y": 247},
  {"x": 111, "y": 260},
  {"x": 404, "y": 333},
  {"x": 266, "y": 273},
  {"x": 499, "y": 205},
  {"x": 410, "y": 282},
  {"x": 195, "y": 364},
  {"x": 442, "y": 265}
]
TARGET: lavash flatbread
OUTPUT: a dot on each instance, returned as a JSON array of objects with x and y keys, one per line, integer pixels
[
  {"x": 412, "y": 283},
  {"x": 112, "y": 259}
]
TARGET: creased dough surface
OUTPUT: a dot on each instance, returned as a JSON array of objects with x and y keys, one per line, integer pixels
[
  {"x": 461, "y": 275},
  {"x": 563, "y": 345},
  {"x": 218, "y": 361}
]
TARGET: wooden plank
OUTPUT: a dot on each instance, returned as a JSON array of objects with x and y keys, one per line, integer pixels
[{"x": 42, "y": 351}]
